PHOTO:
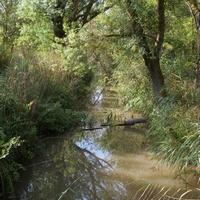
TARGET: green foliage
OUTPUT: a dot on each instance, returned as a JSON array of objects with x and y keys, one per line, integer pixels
[
  {"x": 44, "y": 91},
  {"x": 8, "y": 168},
  {"x": 8, "y": 174},
  {"x": 14, "y": 114},
  {"x": 47, "y": 96},
  {"x": 37, "y": 97},
  {"x": 119, "y": 59},
  {"x": 173, "y": 135},
  {"x": 36, "y": 31},
  {"x": 6, "y": 146},
  {"x": 8, "y": 24},
  {"x": 179, "y": 48},
  {"x": 174, "y": 124},
  {"x": 4, "y": 58},
  {"x": 16, "y": 128}
]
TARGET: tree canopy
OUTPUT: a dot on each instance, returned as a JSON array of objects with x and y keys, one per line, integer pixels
[{"x": 54, "y": 52}]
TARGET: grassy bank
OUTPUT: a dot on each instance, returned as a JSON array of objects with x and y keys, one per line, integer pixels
[
  {"x": 173, "y": 125},
  {"x": 37, "y": 97},
  {"x": 174, "y": 129}
]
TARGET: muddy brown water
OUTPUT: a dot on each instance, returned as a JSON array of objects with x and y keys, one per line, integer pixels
[{"x": 110, "y": 163}]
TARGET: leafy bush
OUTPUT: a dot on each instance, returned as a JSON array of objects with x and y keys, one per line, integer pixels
[
  {"x": 47, "y": 97},
  {"x": 36, "y": 99},
  {"x": 8, "y": 167}
]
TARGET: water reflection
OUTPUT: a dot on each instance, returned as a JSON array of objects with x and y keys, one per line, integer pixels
[
  {"x": 84, "y": 162},
  {"x": 104, "y": 164},
  {"x": 97, "y": 165}
]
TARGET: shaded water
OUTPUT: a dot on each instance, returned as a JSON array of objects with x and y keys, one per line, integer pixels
[{"x": 108, "y": 164}]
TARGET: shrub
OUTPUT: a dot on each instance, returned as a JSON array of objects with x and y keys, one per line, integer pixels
[
  {"x": 36, "y": 99},
  {"x": 46, "y": 97}
]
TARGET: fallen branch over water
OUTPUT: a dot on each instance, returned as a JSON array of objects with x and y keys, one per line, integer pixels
[
  {"x": 91, "y": 129},
  {"x": 127, "y": 122},
  {"x": 131, "y": 121}
]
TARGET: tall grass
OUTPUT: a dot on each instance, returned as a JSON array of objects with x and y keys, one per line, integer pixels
[
  {"x": 50, "y": 95},
  {"x": 174, "y": 125},
  {"x": 175, "y": 130},
  {"x": 37, "y": 98},
  {"x": 157, "y": 192}
]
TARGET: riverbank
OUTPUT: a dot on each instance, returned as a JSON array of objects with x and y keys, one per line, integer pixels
[
  {"x": 101, "y": 164},
  {"x": 35, "y": 102}
]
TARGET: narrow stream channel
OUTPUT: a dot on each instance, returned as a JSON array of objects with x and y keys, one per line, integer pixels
[{"x": 103, "y": 164}]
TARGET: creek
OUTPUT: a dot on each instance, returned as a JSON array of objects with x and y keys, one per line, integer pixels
[{"x": 109, "y": 163}]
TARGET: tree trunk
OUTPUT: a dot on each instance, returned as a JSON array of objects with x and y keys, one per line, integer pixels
[
  {"x": 151, "y": 56},
  {"x": 153, "y": 62},
  {"x": 198, "y": 55},
  {"x": 153, "y": 65},
  {"x": 58, "y": 26},
  {"x": 133, "y": 121},
  {"x": 198, "y": 75}
]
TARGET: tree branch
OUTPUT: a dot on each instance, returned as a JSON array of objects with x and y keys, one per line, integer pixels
[
  {"x": 137, "y": 28},
  {"x": 192, "y": 4},
  {"x": 161, "y": 27}
]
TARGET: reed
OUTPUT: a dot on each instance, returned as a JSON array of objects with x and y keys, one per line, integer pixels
[
  {"x": 36, "y": 98},
  {"x": 157, "y": 192},
  {"x": 175, "y": 130}
]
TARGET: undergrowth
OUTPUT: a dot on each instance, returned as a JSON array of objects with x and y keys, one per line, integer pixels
[
  {"x": 173, "y": 124},
  {"x": 36, "y": 98},
  {"x": 174, "y": 130}
]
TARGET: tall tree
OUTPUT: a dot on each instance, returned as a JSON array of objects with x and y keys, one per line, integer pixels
[
  {"x": 195, "y": 11},
  {"x": 73, "y": 14},
  {"x": 151, "y": 55}
]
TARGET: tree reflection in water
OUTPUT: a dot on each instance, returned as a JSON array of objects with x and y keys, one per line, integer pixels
[
  {"x": 84, "y": 164},
  {"x": 65, "y": 162}
]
